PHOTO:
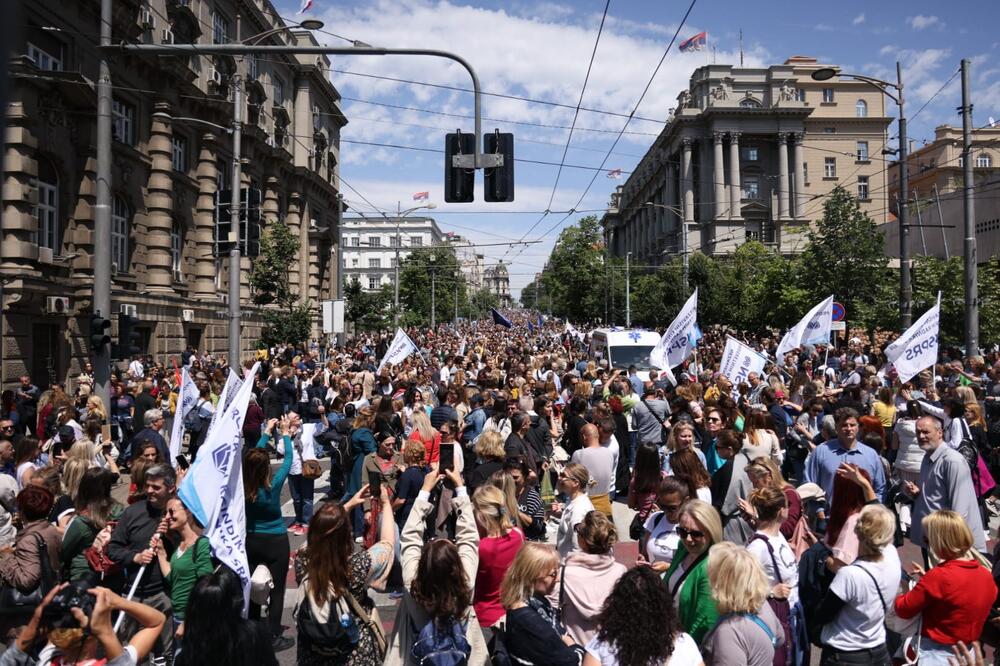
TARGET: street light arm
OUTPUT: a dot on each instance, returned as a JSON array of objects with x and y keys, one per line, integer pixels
[
  {"x": 672, "y": 209},
  {"x": 880, "y": 84},
  {"x": 198, "y": 121}
]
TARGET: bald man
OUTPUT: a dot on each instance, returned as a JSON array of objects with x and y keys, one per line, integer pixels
[{"x": 600, "y": 462}]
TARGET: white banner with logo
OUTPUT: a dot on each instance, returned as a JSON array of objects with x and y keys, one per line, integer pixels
[
  {"x": 401, "y": 347},
  {"x": 738, "y": 361},
  {"x": 229, "y": 390},
  {"x": 917, "y": 348},
  {"x": 680, "y": 338},
  {"x": 814, "y": 328},
  {"x": 187, "y": 398}
]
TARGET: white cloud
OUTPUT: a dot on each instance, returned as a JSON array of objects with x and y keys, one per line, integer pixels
[
  {"x": 888, "y": 49},
  {"x": 859, "y": 19},
  {"x": 920, "y": 22},
  {"x": 824, "y": 27}
]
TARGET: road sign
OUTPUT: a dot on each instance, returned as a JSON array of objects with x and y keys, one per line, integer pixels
[
  {"x": 838, "y": 312},
  {"x": 838, "y": 326}
]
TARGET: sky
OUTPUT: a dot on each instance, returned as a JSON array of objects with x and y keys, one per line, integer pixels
[{"x": 541, "y": 50}]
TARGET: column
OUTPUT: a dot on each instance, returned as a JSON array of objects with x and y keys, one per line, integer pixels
[
  {"x": 204, "y": 219},
  {"x": 302, "y": 123},
  {"x": 735, "y": 195},
  {"x": 721, "y": 200},
  {"x": 800, "y": 176},
  {"x": 671, "y": 193},
  {"x": 687, "y": 181},
  {"x": 304, "y": 225},
  {"x": 159, "y": 203},
  {"x": 293, "y": 219},
  {"x": 782, "y": 175}
]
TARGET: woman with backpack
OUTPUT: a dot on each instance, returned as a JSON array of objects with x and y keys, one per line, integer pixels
[
  {"x": 436, "y": 615},
  {"x": 191, "y": 559}
]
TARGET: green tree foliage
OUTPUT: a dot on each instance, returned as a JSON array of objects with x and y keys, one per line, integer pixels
[
  {"x": 481, "y": 302},
  {"x": 368, "y": 310},
  {"x": 575, "y": 275},
  {"x": 415, "y": 274},
  {"x": 931, "y": 275},
  {"x": 290, "y": 320}
]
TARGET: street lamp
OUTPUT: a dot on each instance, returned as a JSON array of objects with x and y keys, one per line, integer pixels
[
  {"x": 905, "y": 284},
  {"x": 395, "y": 296},
  {"x": 431, "y": 259},
  {"x": 684, "y": 240},
  {"x": 628, "y": 292}
]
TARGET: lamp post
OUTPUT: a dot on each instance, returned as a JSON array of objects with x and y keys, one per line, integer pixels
[
  {"x": 684, "y": 241},
  {"x": 905, "y": 283},
  {"x": 395, "y": 286},
  {"x": 433, "y": 277},
  {"x": 628, "y": 293}
]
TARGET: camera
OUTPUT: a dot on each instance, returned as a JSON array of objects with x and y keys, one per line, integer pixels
[{"x": 75, "y": 595}]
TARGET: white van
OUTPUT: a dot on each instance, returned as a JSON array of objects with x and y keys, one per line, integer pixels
[{"x": 623, "y": 347}]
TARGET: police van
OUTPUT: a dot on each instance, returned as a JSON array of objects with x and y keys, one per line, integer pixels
[{"x": 623, "y": 347}]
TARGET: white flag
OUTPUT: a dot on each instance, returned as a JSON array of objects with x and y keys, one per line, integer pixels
[
  {"x": 187, "y": 398},
  {"x": 401, "y": 347},
  {"x": 229, "y": 391},
  {"x": 461, "y": 350},
  {"x": 738, "y": 361},
  {"x": 679, "y": 339},
  {"x": 213, "y": 487},
  {"x": 813, "y": 328},
  {"x": 574, "y": 332},
  {"x": 917, "y": 348}
]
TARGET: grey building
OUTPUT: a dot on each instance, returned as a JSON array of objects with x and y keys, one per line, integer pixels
[{"x": 372, "y": 244}]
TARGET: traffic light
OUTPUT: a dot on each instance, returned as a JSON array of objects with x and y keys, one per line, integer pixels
[
  {"x": 100, "y": 335},
  {"x": 249, "y": 225},
  {"x": 128, "y": 336},
  {"x": 220, "y": 230},
  {"x": 459, "y": 182},
  {"x": 498, "y": 182}
]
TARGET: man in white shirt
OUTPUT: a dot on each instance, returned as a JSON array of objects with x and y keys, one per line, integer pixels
[
  {"x": 600, "y": 463},
  {"x": 136, "y": 369}
]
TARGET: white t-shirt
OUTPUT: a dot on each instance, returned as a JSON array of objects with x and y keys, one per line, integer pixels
[
  {"x": 613, "y": 446},
  {"x": 573, "y": 513},
  {"x": 784, "y": 556},
  {"x": 685, "y": 652},
  {"x": 599, "y": 462},
  {"x": 704, "y": 494},
  {"x": 860, "y": 623},
  {"x": 663, "y": 540}
]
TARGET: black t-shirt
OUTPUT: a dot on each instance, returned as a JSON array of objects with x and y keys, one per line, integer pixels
[{"x": 62, "y": 505}]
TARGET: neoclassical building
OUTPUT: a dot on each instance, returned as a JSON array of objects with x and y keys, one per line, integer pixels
[
  {"x": 750, "y": 154},
  {"x": 166, "y": 170},
  {"x": 496, "y": 280}
]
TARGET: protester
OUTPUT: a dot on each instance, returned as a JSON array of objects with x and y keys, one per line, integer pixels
[
  {"x": 699, "y": 529},
  {"x": 499, "y": 542},
  {"x": 191, "y": 559},
  {"x": 34, "y": 559},
  {"x": 573, "y": 481},
  {"x": 660, "y": 541}
]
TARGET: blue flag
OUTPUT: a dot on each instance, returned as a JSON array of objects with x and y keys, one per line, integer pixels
[
  {"x": 531, "y": 328},
  {"x": 500, "y": 319},
  {"x": 541, "y": 320}
]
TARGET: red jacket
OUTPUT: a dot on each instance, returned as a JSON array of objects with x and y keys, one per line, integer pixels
[{"x": 954, "y": 597}]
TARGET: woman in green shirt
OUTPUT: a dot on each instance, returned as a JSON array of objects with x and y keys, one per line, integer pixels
[
  {"x": 191, "y": 559},
  {"x": 95, "y": 515}
]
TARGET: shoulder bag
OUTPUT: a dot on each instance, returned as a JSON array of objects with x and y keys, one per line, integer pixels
[{"x": 15, "y": 602}]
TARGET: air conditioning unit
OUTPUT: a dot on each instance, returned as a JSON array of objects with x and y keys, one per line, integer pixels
[
  {"x": 187, "y": 315},
  {"x": 114, "y": 268},
  {"x": 167, "y": 36},
  {"x": 147, "y": 21},
  {"x": 57, "y": 305},
  {"x": 215, "y": 76},
  {"x": 128, "y": 309},
  {"x": 269, "y": 140},
  {"x": 44, "y": 255}
]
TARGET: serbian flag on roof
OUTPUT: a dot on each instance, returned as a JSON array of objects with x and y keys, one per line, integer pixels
[
  {"x": 615, "y": 174},
  {"x": 305, "y": 6},
  {"x": 421, "y": 196},
  {"x": 696, "y": 43}
]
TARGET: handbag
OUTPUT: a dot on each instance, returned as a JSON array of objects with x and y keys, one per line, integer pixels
[
  {"x": 15, "y": 602},
  {"x": 784, "y": 654},
  {"x": 311, "y": 469},
  {"x": 372, "y": 622},
  {"x": 802, "y": 537}
]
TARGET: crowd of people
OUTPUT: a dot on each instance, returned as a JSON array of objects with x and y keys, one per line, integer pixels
[{"x": 486, "y": 485}]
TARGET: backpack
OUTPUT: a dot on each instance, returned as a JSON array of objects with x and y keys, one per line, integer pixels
[
  {"x": 193, "y": 420},
  {"x": 336, "y": 639},
  {"x": 442, "y": 645}
]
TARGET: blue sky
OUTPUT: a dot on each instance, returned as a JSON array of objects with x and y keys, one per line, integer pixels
[{"x": 541, "y": 50}]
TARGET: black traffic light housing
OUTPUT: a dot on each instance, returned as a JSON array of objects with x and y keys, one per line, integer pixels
[
  {"x": 100, "y": 333},
  {"x": 498, "y": 182},
  {"x": 249, "y": 226},
  {"x": 459, "y": 182},
  {"x": 128, "y": 336}
]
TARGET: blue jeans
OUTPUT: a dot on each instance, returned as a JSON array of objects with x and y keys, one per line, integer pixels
[
  {"x": 933, "y": 653},
  {"x": 302, "y": 497}
]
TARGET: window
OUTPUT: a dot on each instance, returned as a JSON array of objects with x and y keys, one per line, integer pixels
[
  {"x": 749, "y": 154},
  {"x": 252, "y": 68},
  {"x": 861, "y": 108},
  {"x": 374, "y": 262},
  {"x": 220, "y": 28},
  {"x": 828, "y": 95},
  {"x": 392, "y": 262},
  {"x": 749, "y": 103},
  {"x": 829, "y": 130},
  {"x": 393, "y": 240},
  {"x": 48, "y": 206},
  {"x": 416, "y": 241},
  {"x": 279, "y": 91},
  {"x": 374, "y": 241},
  {"x": 800, "y": 95},
  {"x": 862, "y": 151},
  {"x": 223, "y": 174},
  {"x": 751, "y": 187},
  {"x": 984, "y": 161},
  {"x": 43, "y": 60},
  {"x": 863, "y": 188},
  {"x": 176, "y": 249},
  {"x": 830, "y": 167},
  {"x": 121, "y": 218},
  {"x": 354, "y": 262},
  {"x": 123, "y": 122},
  {"x": 356, "y": 241},
  {"x": 961, "y": 161},
  {"x": 179, "y": 156},
  {"x": 805, "y": 172},
  {"x": 374, "y": 281}
]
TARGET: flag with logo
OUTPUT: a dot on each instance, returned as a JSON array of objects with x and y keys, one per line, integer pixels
[
  {"x": 917, "y": 348},
  {"x": 738, "y": 361},
  {"x": 229, "y": 391},
  {"x": 213, "y": 487},
  {"x": 187, "y": 398},
  {"x": 694, "y": 43},
  {"x": 811, "y": 329},
  {"x": 500, "y": 319},
  {"x": 401, "y": 347},
  {"x": 680, "y": 338}
]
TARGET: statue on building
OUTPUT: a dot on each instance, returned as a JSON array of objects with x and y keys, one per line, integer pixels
[
  {"x": 719, "y": 93},
  {"x": 787, "y": 93}
]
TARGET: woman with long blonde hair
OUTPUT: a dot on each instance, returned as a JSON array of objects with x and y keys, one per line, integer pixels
[
  {"x": 426, "y": 434},
  {"x": 499, "y": 542},
  {"x": 682, "y": 436}
]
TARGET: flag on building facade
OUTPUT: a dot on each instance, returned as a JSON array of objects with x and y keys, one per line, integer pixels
[
  {"x": 917, "y": 348},
  {"x": 695, "y": 43},
  {"x": 421, "y": 196},
  {"x": 187, "y": 398}
]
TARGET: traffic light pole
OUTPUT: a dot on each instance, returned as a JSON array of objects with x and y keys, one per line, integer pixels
[
  {"x": 101, "y": 357},
  {"x": 234, "y": 227}
]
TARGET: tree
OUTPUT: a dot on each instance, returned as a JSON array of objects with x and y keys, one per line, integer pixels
[
  {"x": 367, "y": 310},
  {"x": 290, "y": 320},
  {"x": 658, "y": 296},
  {"x": 931, "y": 275},
  {"x": 575, "y": 273},
  {"x": 416, "y": 272},
  {"x": 481, "y": 302}
]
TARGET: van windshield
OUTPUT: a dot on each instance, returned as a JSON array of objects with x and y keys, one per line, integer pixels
[{"x": 624, "y": 356}]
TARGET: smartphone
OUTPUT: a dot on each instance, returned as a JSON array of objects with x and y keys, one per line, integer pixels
[
  {"x": 182, "y": 462},
  {"x": 447, "y": 460},
  {"x": 375, "y": 483}
]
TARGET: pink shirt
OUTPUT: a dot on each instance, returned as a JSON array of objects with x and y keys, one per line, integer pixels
[{"x": 495, "y": 556}]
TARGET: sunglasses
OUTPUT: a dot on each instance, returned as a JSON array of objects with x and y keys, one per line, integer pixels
[
  {"x": 714, "y": 419},
  {"x": 684, "y": 534}
]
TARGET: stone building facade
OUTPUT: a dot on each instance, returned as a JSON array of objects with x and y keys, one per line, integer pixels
[
  {"x": 370, "y": 246},
  {"x": 938, "y": 167},
  {"x": 750, "y": 154},
  {"x": 496, "y": 280},
  {"x": 166, "y": 170}
]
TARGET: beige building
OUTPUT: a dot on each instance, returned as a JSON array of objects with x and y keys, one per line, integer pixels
[
  {"x": 496, "y": 280},
  {"x": 165, "y": 172},
  {"x": 938, "y": 167},
  {"x": 751, "y": 154},
  {"x": 470, "y": 261}
]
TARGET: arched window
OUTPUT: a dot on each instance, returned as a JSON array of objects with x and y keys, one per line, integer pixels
[
  {"x": 176, "y": 250},
  {"x": 749, "y": 103},
  {"x": 861, "y": 108},
  {"x": 48, "y": 206},
  {"x": 121, "y": 225}
]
